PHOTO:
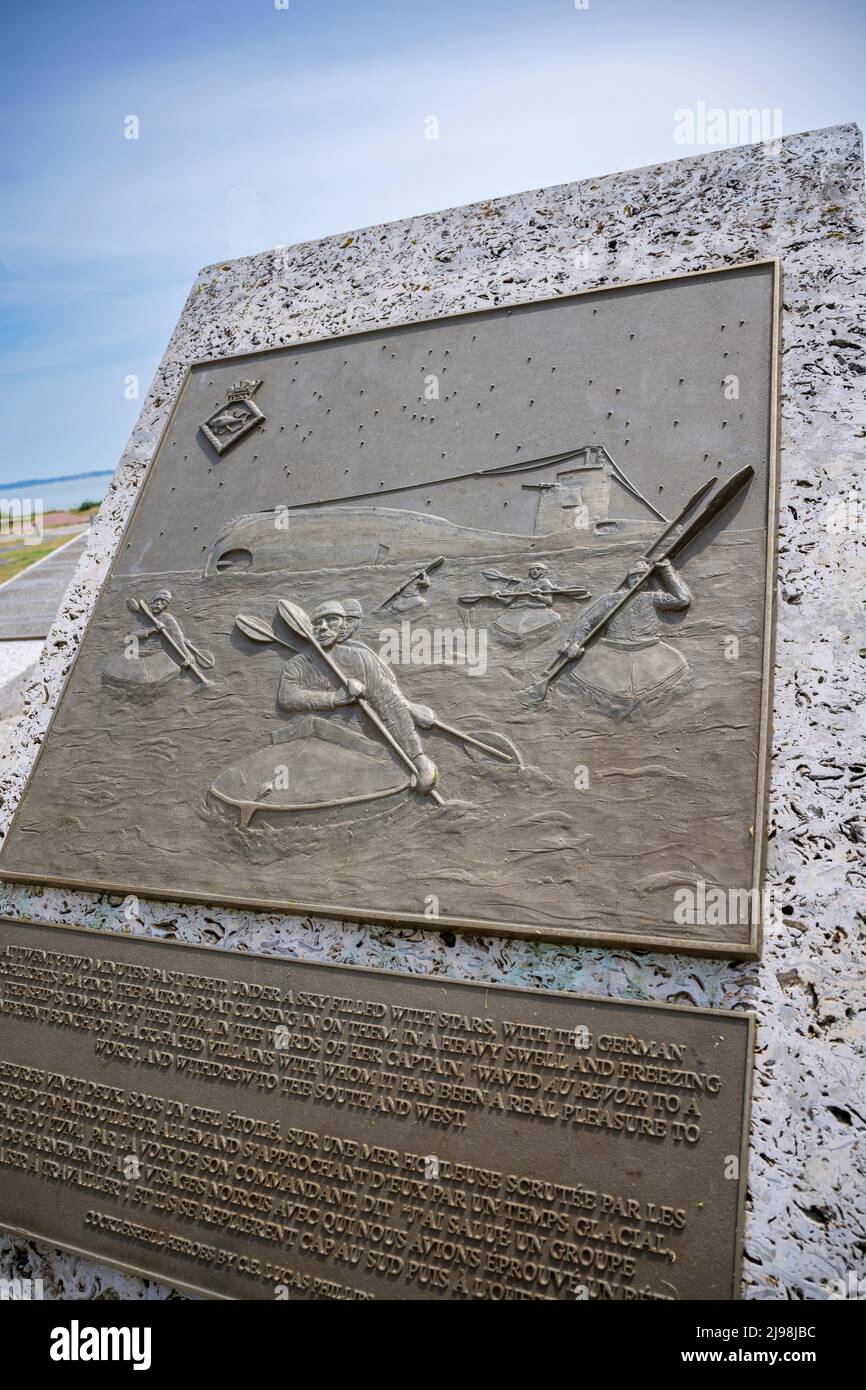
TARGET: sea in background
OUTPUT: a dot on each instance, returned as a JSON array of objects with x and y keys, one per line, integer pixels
[{"x": 59, "y": 494}]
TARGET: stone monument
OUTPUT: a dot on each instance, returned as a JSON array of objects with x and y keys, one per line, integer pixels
[{"x": 595, "y": 774}]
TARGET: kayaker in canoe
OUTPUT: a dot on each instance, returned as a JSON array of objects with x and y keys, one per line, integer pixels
[
  {"x": 307, "y": 687},
  {"x": 146, "y": 632},
  {"x": 156, "y": 649},
  {"x": 528, "y": 602},
  {"x": 629, "y": 663},
  {"x": 530, "y": 605}
]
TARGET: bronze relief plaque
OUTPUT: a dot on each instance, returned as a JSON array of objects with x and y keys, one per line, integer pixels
[
  {"x": 260, "y": 1128},
  {"x": 467, "y": 621}
]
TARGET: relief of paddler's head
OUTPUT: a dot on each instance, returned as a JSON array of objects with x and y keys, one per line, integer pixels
[
  {"x": 354, "y": 614},
  {"x": 538, "y": 570},
  {"x": 329, "y": 623},
  {"x": 160, "y": 601},
  {"x": 636, "y": 571}
]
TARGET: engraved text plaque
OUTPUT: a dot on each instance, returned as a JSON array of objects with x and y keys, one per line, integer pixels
[{"x": 259, "y": 1128}]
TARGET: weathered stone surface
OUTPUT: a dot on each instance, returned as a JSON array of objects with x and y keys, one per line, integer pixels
[
  {"x": 801, "y": 201},
  {"x": 17, "y": 667}
]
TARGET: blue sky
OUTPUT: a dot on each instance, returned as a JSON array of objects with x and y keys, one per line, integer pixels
[{"x": 261, "y": 126}]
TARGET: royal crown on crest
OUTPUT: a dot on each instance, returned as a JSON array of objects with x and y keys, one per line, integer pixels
[{"x": 242, "y": 390}]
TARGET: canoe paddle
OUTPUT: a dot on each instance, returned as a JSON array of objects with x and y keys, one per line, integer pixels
[
  {"x": 477, "y": 743},
  {"x": 507, "y": 598},
  {"x": 259, "y": 631}
]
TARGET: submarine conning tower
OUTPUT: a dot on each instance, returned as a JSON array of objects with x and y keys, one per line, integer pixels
[{"x": 585, "y": 482}]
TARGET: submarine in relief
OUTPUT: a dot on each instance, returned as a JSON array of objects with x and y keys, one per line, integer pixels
[{"x": 562, "y": 502}]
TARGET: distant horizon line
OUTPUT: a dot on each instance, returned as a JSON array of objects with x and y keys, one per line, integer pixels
[{"x": 63, "y": 478}]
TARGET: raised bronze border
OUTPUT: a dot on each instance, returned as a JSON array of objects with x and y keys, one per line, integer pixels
[
  {"x": 450, "y": 980},
  {"x": 750, "y": 950}
]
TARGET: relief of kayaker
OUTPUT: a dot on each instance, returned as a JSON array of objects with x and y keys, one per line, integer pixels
[
  {"x": 530, "y": 614},
  {"x": 615, "y": 654},
  {"x": 307, "y": 687},
  {"x": 352, "y": 736},
  {"x": 156, "y": 650},
  {"x": 410, "y": 596},
  {"x": 629, "y": 663}
]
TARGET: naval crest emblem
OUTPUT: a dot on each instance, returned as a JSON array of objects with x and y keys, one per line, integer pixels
[{"x": 229, "y": 423}]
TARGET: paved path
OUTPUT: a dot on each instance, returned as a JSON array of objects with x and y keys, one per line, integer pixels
[{"x": 29, "y": 602}]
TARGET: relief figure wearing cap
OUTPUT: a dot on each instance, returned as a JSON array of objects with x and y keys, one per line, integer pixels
[
  {"x": 146, "y": 632},
  {"x": 155, "y": 651},
  {"x": 307, "y": 687},
  {"x": 629, "y": 664}
]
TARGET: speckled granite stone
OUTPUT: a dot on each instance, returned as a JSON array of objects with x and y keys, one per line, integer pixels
[
  {"x": 802, "y": 200},
  {"x": 17, "y": 666}
]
